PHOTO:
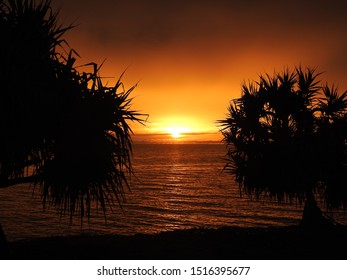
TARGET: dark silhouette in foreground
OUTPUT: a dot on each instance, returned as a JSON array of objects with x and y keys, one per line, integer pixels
[
  {"x": 287, "y": 139},
  {"x": 229, "y": 243},
  {"x": 313, "y": 217},
  {"x": 62, "y": 130}
]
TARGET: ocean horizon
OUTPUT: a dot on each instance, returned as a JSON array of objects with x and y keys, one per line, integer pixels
[{"x": 184, "y": 138}]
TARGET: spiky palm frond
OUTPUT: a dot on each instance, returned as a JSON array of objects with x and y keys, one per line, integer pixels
[
  {"x": 308, "y": 84},
  {"x": 66, "y": 126},
  {"x": 332, "y": 104},
  {"x": 280, "y": 146},
  {"x": 92, "y": 152},
  {"x": 33, "y": 23},
  {"x": 29, "y": 41}
]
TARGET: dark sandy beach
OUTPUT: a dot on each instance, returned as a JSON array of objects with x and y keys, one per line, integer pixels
[{"x": 287, "y": 243}]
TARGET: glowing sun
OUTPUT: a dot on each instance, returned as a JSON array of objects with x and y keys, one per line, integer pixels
[{"x": 176, "y": 132}]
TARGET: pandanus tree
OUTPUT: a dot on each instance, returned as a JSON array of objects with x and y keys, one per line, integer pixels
[
  {"x": 62, "y": 130},
  {"x": 287, "y": 140}
]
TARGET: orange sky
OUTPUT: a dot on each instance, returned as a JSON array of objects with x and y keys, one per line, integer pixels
[{"x": 190, "y": 57}]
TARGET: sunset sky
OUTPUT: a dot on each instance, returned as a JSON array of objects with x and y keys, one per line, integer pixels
[{"x": 190, "y": 57}]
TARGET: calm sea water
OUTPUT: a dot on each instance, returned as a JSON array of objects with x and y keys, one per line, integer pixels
[{"x": 177, "y": 186}]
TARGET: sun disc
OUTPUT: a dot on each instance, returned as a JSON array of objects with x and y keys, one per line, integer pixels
[{"x": 175, "y": 134}]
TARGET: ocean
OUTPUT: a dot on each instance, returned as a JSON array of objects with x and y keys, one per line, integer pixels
[{"x": 175, "y": 187}]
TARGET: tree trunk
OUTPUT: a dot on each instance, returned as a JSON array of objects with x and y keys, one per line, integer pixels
[
  {"x": 4, "y": 250},
  {"x": 313, "y": 217}
]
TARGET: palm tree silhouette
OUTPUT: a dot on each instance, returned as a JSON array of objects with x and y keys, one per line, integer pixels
[
  {"x": 286, "y": 138},
  {"x": 61, "y": 129}
]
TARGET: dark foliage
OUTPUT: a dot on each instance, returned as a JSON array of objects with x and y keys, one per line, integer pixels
[
  {"x": 287, "y": 138},
  {"x": 61, "y": 129}
]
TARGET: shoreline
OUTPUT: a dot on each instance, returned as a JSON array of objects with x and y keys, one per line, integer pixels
[{"x": 287, "y": 243}]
